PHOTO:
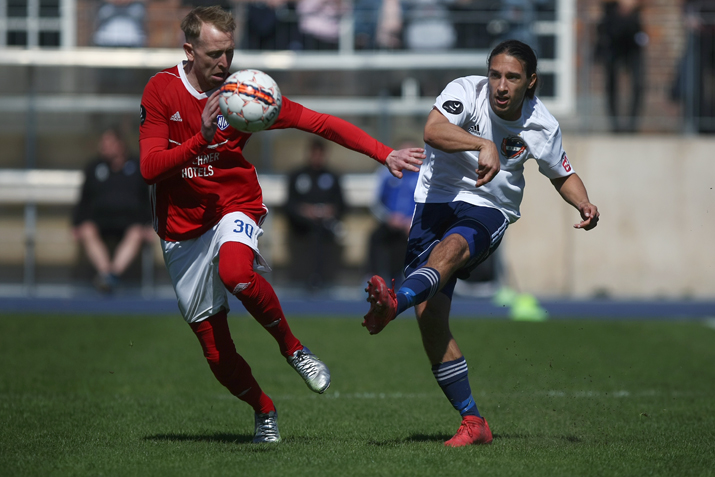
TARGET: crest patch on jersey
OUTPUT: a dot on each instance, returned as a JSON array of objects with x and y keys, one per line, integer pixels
[
  {"x": 512, "y": 146},
  {"x": 221, "y": 122},
  {"x": 453, "y": 107},
  {"x": 565, "y": 163},
  {"x": 142, "y": 114}
]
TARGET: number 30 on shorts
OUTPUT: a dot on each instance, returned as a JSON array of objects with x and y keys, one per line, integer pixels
[{"x": 243, "y": 228}]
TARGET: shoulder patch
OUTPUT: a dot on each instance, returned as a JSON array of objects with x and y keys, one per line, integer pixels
[
  {"x": 565, "y": 163},
  {"x": 142, "y": 114},
  {"x": 453, "y": 107}
]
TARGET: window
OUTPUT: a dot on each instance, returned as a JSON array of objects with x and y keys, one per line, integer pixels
[{"x": 37, "y": 23}]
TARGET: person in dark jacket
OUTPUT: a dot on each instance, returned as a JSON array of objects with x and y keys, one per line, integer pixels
[
  {"x": 620, "y": 45},
  {"x": 113, "y": 207},
  {"x": 314, "y": 209}
]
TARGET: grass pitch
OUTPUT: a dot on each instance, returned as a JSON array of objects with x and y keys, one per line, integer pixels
[{"x": 85, "y": 395}]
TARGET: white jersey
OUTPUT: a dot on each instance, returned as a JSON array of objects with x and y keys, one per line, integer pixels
[{"x": 448, "y": 177}]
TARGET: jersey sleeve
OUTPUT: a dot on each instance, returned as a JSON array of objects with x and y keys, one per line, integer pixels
[
  {"x": 157, "y": 161},
  {"x": 552, "y": 160},
  {"x": 457, "y": 102},
  {"x": 295, "y": 115}
]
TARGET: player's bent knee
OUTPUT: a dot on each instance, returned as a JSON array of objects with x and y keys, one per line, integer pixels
[
  {"x": 237, "y": 280},
  {"x": 236, "y": 267}
]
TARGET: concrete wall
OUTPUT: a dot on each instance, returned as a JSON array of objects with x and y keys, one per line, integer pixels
[
  {"x": 655, "y": 239},
  {"x": 656, "y": 195}
]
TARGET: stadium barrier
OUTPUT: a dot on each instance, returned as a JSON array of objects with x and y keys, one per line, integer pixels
[{"x": 31, "y": 189}]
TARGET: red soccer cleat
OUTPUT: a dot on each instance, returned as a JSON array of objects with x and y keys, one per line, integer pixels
[
  {"x": 383, "y": 305},
  {"x": 473, "y": 431}
]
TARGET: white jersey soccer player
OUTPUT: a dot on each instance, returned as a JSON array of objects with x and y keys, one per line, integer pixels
[
  {"x": 479, "y": 133},
  {"x": 451, "y": 176}
]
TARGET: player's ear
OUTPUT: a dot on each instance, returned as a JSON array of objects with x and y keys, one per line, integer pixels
[
  {"x": 189, "y": 50},
  {"x": 532, "y": 81}
]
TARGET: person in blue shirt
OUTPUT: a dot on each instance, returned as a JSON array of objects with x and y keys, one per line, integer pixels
[{"x": 393, "y": 207}]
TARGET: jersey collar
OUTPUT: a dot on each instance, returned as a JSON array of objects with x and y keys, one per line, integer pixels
[{"x": 187, "y": 85}]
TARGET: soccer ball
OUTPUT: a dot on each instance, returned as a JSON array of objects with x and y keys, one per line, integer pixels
[{"x": 250, "y": 100}]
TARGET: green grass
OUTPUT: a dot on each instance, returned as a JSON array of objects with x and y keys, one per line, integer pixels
[{"x": 83, "y": 395}]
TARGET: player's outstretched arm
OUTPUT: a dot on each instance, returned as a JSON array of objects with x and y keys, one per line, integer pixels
[
  {"x": 445, "y": 136},
  {"x": 405, "y": 159},
  {"x": 574, "y": 192}
]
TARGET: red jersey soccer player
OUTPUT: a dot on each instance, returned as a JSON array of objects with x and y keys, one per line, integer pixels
[{"x": 208, "y": 209}]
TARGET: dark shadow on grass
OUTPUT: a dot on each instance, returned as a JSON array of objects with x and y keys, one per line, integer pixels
[
  {"x": 411, "y": 438},
  {"x": 445, "y": 437},
  {"x": 572, "y": 439},
  {"x": 220, "y": 437}
]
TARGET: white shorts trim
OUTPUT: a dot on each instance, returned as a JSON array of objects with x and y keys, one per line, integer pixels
[{"x": 193, "y": 265}]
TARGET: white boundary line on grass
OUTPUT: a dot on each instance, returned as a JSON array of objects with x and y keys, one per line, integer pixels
[{"x": 710, "y": 322}]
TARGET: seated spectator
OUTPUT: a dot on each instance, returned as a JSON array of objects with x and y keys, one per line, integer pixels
[
  {"x": 366, "y": 14},
  {"x": 113, "y": 206},
  {"x": 388, "y": 34},
  {"x": 319, "y": 23},
  {"x": 271, "y": 25},
  {"x": 120, "y": 23},
  {"x": 314, "y": 209},
  {"x": 393, "y": 208},
  {"x": 517, "y": 22},
  {"x": 427, "y": 25}
]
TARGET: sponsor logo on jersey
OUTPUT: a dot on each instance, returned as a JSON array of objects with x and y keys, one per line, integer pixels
[
  {"x": 453, "y": 107},
  {"x": 221, "y": 122},
  {"x": 565, "y": 163},
  {"x": 176, "y": 117},
  {"x": 512, "y": 146},
  {"x": 142, "y": 114},
  {"x": 474, "y": 130}
]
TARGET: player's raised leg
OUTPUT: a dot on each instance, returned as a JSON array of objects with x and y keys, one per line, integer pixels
[
  {"x": 421, "y": 285},
  {"x": 257, "y": 295},
  {"x": 232, "y": 371},
  {"x": 450, "y": 370}
]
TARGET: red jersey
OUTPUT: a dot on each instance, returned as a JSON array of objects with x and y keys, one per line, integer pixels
[{"x": 194, "y": 184}]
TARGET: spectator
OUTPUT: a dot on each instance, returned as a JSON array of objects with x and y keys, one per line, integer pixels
[
  {"x": 366, "y": 14},
  {"x": 393, "y": 208},
  {"x": 695, "y": 80},
  {"x": 113, "y": 207},
  {"x": 319, "y": 23},
  {"x": 271, "y": 25},
  {"x": 427, "y": 25},
  {"x": 120, "y": 23},
  {"x": 388, "y": 29},
  {"x": 516, "y": 22},
  {"x": 620, "y": 47},
  {"x": 314, "y": 208},
  {"x": 471, "y": 22}
]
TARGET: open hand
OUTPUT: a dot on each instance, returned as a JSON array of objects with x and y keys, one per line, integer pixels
[{"x": 405, "y": 159}]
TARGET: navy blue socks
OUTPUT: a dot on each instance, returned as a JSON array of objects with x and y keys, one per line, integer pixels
[
  {"x": 452, "y": 378},
  {"x": 420, "y": 286}
]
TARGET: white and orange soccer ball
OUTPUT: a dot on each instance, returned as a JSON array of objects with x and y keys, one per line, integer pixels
[{"x": 250, "y": 100}]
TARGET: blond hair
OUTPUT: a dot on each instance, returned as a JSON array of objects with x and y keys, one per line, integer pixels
[{"x": 215, "y": 15}]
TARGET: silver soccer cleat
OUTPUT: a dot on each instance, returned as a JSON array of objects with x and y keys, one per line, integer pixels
[
  {"x": 313, "y": 371},
  {"x": 266, "y": 428}
]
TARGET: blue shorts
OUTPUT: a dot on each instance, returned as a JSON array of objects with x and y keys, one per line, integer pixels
[{"x": 482, "y": 228}]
